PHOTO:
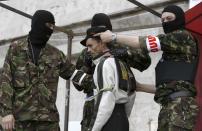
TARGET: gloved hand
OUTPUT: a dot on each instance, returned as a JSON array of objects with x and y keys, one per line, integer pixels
[{"x": 88, "y": 59}]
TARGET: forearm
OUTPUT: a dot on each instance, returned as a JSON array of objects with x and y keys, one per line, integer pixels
[
  {"x": 78, "y": 77},
  {"x": 84, "y": 83},
  {"x": 132, "y": 41},
  {"x": 148, "y": 88},
  {"x": 6, "y": 88},
  {"x": 138, "y": 59},
  {"x": 84, "y": 63},
  {"x": 6, "y": 94},
  {"x": 108, "y": 37}
]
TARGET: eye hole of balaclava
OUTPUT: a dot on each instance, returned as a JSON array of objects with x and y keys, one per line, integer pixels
[
  {"x": 40, "y": 33},
  {"x": 179, "y": 21}
]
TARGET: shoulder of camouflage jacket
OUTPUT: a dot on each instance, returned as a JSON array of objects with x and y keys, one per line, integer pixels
[
  {"x": 181, "y": 33},
  {"x": 19, "y": 44}
]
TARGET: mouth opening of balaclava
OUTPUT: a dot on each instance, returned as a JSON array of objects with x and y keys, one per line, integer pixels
[
  {"x": 178, "y": 23},
  {"x": 40, "y": 33}
]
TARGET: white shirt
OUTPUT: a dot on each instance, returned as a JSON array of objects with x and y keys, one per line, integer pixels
[{"x": 112, "y": 94}]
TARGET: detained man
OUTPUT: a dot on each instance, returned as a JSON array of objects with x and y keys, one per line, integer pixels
[
  {"x": 138, "y": 59},
  {"x": 111, "y": 78},
  {"x": 114, "y": 86}
]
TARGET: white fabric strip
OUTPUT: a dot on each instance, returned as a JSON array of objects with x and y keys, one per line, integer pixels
[
  {"x": 81, "y": 79},
  {"x": 73, "y": 75}
]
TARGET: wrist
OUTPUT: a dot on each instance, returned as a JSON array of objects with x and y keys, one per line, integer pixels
[
  {"x": 114, "y": 37},
  {"x": 6, "y": 112}
]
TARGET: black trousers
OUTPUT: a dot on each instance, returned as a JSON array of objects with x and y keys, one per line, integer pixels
[{"x": 118, "y": 120}]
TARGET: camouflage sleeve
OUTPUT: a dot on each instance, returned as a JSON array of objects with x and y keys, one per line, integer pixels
[
  {"x": 80, "y": 66},
  {"x": 66, "y": 67},
  {"x": 136, "y": 58},
  {"x": 176, "y": 42},
  {"x": 6, "y": 88},
  {"x": 81, "y": 63},
  {"x": 86, "y": 67},
  {"x": 69, "y": 71}
]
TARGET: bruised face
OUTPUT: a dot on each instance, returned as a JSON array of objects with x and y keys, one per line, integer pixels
[{"x": 95, "y": 47}]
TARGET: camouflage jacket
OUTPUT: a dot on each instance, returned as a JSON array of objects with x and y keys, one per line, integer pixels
[
  {"x": 176, "y": 46},
  {"x": 28, "y": 91}
]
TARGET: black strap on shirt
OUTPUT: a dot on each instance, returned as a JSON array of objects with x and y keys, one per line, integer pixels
[
  {"x": 127, "y": 84},
  {"x": 100, "y": 85}
]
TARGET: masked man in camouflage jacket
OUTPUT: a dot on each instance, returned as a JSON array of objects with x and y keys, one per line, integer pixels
[
  {"x": 138, "y": 59},
  {"x": 30, "y": 78},
  {"x": 175, "y": 71}
]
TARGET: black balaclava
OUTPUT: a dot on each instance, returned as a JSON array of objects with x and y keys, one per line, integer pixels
[
  {"x": 178, "y": 23},
  {"x": 101, "y": 19},
  {"x": 40, "y": 33}
]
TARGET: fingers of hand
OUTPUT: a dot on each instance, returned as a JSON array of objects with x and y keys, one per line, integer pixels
[
  {"x": 8, "y": 122},
  {"x": 105, "y": 36},
  {"x": 98, "y": 34}
]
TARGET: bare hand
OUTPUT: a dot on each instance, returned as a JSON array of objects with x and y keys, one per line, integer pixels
[
  {"x": 106, "y": 36},
  {"x": 8, "y": 122},
  {"x": 149, "y": 88}
]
